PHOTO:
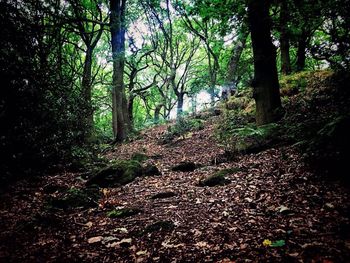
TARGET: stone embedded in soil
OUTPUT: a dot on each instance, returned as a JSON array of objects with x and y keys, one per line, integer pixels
[
  {"x": 151, "y": 170},
  {"x": 218, "y": 178},
  {"x": 117, "y": 174},
  {"x": 74, "y": 198},
  {"x": 185, "y": 167},
  {"x": 163, "y": 195},
  {"x": 159, "y": 226},
  {"x": 140, "y": 157}
]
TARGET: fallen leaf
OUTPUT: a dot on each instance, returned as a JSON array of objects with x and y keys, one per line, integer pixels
[
  {"x": 169, "y": 245},
  {"x": 243, "y": 246},
  {"x": 201, "y": 244},
  {"x": 141, "y": 253},
  {"x": 267, "y": 242},
  {"x": 125, "y": 241},
  {"x": 92, "y": 240},
  {"x": 121, "y": 230}
]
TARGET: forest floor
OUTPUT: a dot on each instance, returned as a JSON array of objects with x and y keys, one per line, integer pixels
[{"x": 275, "y": 209}]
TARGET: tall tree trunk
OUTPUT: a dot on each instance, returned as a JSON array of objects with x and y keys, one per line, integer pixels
[
  {"x": 157, "y": 112},
  {"x": 180, "y": 104},
  {"x": 286, "y": 68},
  {"x": 232, "y": 74},
  {"x": 130, "y": 108},
  {"x": 265, "y": 84},
  {"x": 117, "y": 19},
  {"x": 301, "y": 52},
  {"x": 87, "y": 93}
]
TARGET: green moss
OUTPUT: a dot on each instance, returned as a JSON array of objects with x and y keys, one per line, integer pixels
[
  {"x": 140, "y": 157},
  {"x": 74, "y": 198},
  {"x": 118, "y": 173},
  {"x": 124, "y": 212}
]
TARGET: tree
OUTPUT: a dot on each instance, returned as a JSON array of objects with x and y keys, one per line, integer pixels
[
  {"x": 265, "y": 84},
  {"x": 119, "y": 102},
  {"x": 88, "y": 20},
  {"x": 176, "y": 49},
  {"x": 286, "y": 68}
]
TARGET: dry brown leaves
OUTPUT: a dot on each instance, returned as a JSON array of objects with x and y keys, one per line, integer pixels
[{"x": 274, "y": 197}]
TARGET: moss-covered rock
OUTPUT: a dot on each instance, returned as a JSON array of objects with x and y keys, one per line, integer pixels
[
  {"x": 139, "y": 157},
  {"x": 74, "y": 198},
  {"x": 151, "y": 170},
  {"x": 163, "y": 195},
  {"x": 185, "y": 167},
  {"x": 218, "y": 178},
  {"x": 124, "y": 212},
  {"x": 116, "y": 174}
]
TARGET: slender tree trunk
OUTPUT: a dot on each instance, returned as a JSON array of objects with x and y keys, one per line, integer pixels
[
  {"x": 301, "y": 52},
  {"x": 180, "y": 104},
  {"x": 265, "y": 84},
  {"x": 232, "y": 74},
  {"x": 286, "y": 68},
  {"x": 87, "y": 93},
  {"x": 117, "y": 18},
  {"x": 130, "y": 108},
  {"x": 157, "y": 113}
]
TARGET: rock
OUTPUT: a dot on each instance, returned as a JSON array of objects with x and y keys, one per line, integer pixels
[
  {"x": 139, "y": 157},
  {"x": 124, "y": 212},
  {"x": 217, "y": 179},
  {"x": 151, "y": 170},
  {"x": 163, "y": 195},
  {"x": 74, "y": 198},
  {"x": 225, "y": 157},
  {"x": 116, "y": 174},
  {"x": 159, "y": 226},
  {"x": 185, "y": 167}
]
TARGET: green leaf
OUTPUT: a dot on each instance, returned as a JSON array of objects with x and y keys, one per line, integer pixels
[{"x": 278, "y": 243}]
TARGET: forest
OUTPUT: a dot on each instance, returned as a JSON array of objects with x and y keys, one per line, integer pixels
[{"x": 174, "y": 131}]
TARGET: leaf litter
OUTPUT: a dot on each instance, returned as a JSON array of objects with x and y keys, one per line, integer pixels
[{"x": 274, "y": 210}]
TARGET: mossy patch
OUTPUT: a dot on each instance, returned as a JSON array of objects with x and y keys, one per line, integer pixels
[
  {"x": 74, "y": 198},
  {"x": 139, "y": 157},
  {"x": 116, "y": 174},
  {"x": 124, "y": 212}
]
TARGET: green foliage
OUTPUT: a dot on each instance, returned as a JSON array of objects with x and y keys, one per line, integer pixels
[{"x": 248, "y": 138}]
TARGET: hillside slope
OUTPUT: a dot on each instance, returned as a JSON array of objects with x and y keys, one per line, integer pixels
[{"x": 268, "y": 206}]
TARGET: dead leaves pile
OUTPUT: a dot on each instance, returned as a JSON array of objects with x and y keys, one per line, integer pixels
[{"x": 274, "y": 210}]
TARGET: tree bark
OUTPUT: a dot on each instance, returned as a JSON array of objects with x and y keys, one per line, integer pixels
[
  {"x": 157, "y": 113},
  {"x": 119, "y": 111},
  {"x": 301, "y": 52},
  {"x": 232, "y": 74},
  {"x": 286, "y": 68},
  {"x": 86, "y": 91},
  {"x": 180, "y": 104},
  {"x": 265, "y": 84}
]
